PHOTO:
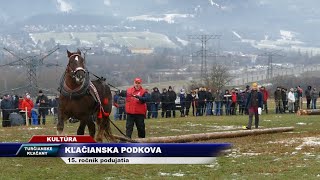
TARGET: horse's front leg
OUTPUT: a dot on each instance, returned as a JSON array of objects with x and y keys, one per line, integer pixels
[
  {"x": 92, "y": 127},
  {"x": 81, "y": 127},
  {"x": 60, "y": 125}
]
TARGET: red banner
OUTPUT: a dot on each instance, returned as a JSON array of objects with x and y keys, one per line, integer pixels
[{"x": 61, "y": 139}]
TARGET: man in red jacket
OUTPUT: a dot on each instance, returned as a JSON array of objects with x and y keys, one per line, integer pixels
[
  {"x": 265, "y": 95},
  {"x": 136, "y": 108}
]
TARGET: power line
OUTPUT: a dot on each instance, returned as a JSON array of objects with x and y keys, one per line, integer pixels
[
  {"x": 203, "y": 53},
  {"x": 32, "y": 63},
  {"x": 270, "y": 56}
]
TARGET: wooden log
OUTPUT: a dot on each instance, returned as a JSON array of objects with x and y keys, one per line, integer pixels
[
  {"x": 124, "y": 139},
  {"x": 208, "y": 136},
  {"x": 308, "y": 112}
]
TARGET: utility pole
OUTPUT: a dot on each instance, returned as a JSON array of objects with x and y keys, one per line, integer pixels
[
  {"x": 203, "y": 53},
  {"x": 270, "y": 56},
  {"x": 85, "y": 50},
  {"x": 32, "y": 64}
]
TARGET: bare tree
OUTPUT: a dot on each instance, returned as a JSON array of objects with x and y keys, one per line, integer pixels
[{"x": 218, "y": 76}]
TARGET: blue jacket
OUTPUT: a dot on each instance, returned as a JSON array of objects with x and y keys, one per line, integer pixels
[{"x": 260, "y": 102}]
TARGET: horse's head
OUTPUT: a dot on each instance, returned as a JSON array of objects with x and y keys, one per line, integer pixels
[{"x": 76, "y": 66}]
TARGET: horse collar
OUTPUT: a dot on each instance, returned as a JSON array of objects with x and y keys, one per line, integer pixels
[{"x": 80, "y": 91}]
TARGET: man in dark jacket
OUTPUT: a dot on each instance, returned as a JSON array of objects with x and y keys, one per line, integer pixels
[
  {"x": 42, "y": 102},
  {"x": 188, "y": 102},
  {"x": 278, "y": 100},
  {"x": 155, "y": 101},
  {"x": 254, "y": 102},
  {"x": 308, "y": 96},
  {"x": 7, "y": 107},
  {"x": 209, "y": 103},
  {"x": 172, "y": 104},
  {"x": 165, "y": 103},
  {"x": 121, "y": 102},
  {"x": 149, "y": 103}
]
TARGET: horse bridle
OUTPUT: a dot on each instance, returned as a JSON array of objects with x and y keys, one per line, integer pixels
[
  {"x": 73, "y": 72},
  {"x": 78, "y": 92}
]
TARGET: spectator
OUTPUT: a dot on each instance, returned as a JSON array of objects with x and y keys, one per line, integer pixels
[
  {"x": 278, "y": 100},
  {"x": 7, "y": 107},
  {"x": 242, "y": 102},
  {"x": 218, "y": 99},
  {"x": 202, "y": 100},
  {"x": 121, "y": 102},
  {"x": 195, "y": 104},
  {"x": 188, "y": 102},
  {"x": 291, "y": 101},
  {"x": 20, "y": 103},
  {"x": 254, "y": 102},
  {"x": 155, "y": 101},
  {"x": 300, "y": 94},
  {"x": 27, "y": 104},
  {"x": 136, "y": 108},
  {"x": 265, "y": 95},
  {"x": 297, "y": 100},
  {"x": 314, "y": 97},
  {"x": 182, "y": 102},
  {"x": 148, "y": 95},
  {"x": 172, "y": 105},
  {"x": 233, "y": 102},
  {"x": 227, "y": 101},
  {"x": 115, "y": 104},
  {"x": 209, "y": 103},
  {"x": 165, "y": 103},
  {"x": 284, "y": 95},
  {"x": 308, "y": 96},
  {"x": 16, "y": 103},
  {"x": 42, "y": 101}
]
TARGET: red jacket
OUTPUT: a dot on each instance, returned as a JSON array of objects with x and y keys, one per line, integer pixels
[
  {"x": 234, "y": 97},
  {"x": 265, "y": 94},
  {"x": 133, "y": 105},
  {"x": 27, "y": 103}
]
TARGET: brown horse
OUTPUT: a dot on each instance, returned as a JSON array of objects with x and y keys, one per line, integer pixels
[{"x": 79, "y": 99}]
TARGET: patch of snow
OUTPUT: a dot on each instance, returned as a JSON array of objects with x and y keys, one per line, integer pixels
[
  {"x": 35, "y": 128},
  {"x": 169, "y": 18},
  {"x": 225, "y": 127},
  {"x": 251, "y": 154},
  {"x": 19, "y": 165},
  {"x": 191, "y": 124},
  {"x": 309, "y": 154},
  {"x": 215, "y": 164},
  {"x": 176, "y": 130},
  {"x": 236, "y": 34},
  {"x": 301, "y": 123},
  {"x": 183, "y": 42},
  {"x": 178, "y": 174},
  {"x": 170, "y": 174},
  {"x": 309, "y": 141}
]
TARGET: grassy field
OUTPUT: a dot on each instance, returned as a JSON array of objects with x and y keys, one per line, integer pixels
[{"x": 291, "y": 155}]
